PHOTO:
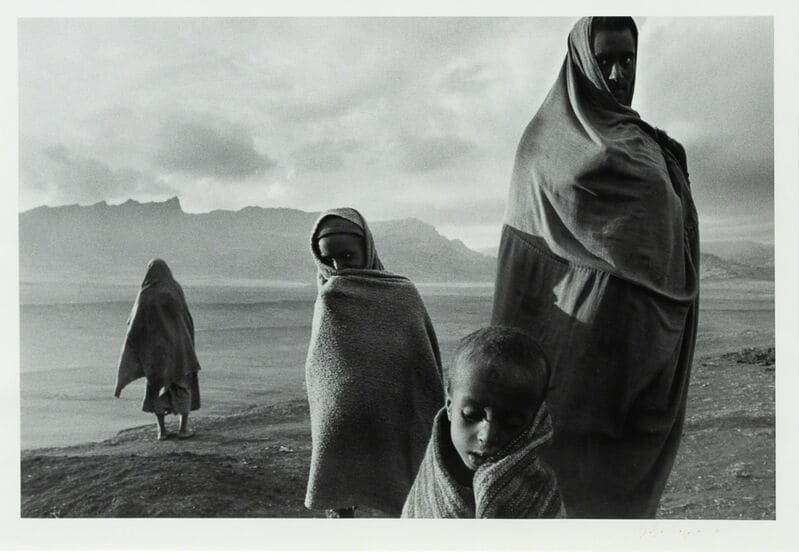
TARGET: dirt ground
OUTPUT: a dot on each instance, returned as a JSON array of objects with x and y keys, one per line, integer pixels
[
  {"x": 255, "y": 463},
  {"x": 725, "y": 468}
]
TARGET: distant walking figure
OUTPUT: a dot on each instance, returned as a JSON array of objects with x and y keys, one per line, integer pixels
[
  {"x": 160, "y": 347},
  {"x": 599, "y": 259}
]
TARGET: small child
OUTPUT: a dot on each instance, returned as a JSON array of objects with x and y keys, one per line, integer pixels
[
  {"x": 373, "y": 374},
  {"x": 482, "y": 459}
]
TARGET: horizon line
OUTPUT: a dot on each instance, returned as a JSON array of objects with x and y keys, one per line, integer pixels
[{"x": 176, "y": 199}]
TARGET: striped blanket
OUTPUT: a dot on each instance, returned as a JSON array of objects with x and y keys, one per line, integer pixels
[{"x": 517, "y": 485}]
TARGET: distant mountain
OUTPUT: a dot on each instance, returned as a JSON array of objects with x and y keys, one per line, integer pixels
[
  {"x": 104, "y": 241},
  {"x": 745, "y": 252},
  {"x": 107, "y": 241},
  {"x": 712, "y": 267}
]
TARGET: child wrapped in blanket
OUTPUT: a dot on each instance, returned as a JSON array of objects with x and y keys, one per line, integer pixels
[
  {"x": 482, "y": 460},
  {"x": 373, "y": 374}
]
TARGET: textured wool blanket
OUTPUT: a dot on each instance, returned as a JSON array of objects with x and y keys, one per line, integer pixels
[
  {"x": 599, "y": 260},
  {"x": 373, "y": 376},
  {"x": 159, "y": 344},
  {"x": 516, "y": 485}
]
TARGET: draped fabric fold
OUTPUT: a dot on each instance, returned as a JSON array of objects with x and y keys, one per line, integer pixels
[
  {"x": 599, "y": 261},
  {"x": 373, "y": 376},
  {"x": 159, "y": 343}
]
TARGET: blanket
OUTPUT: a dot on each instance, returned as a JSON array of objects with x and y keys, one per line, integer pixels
[
  {"x": 517, "y": 485},
  {"x": 592, "y": 179},
  {"x": 373, "y": 377},
  {"x": 159, "y": 343},
  {"x": 599, "y": 260}
]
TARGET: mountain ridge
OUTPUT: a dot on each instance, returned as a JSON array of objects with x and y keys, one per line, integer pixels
[
  {"x": 272, "y": 243},
  {"x": 252, "y": 242}
]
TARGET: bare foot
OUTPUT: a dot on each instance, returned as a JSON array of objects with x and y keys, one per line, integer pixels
[
  {"x": 185, "y": 434},
  {"x": 164, "y": 436}
]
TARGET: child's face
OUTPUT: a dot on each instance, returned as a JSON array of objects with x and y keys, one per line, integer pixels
[
  {"x": 487, "y": 407},
  {"x": 342, "y": 251}
]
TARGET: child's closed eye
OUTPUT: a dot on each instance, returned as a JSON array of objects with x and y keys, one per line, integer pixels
[{"x": 471, "y": 414}]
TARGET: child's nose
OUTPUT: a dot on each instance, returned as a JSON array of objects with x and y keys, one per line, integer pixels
[{"x": 487, "y": 434}]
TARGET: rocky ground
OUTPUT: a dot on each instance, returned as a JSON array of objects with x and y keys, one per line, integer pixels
[{"x": 254, "y": 464}]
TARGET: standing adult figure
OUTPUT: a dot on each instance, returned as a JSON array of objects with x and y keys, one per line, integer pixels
[
  {"x": 159, "y": 346},
  {"x": 599, "y": 261}
]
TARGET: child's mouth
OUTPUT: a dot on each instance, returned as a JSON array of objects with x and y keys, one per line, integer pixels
[{"x": 478, "y": 458}]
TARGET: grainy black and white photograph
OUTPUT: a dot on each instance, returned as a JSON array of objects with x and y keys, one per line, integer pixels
[{"x": 397, "y": 267}]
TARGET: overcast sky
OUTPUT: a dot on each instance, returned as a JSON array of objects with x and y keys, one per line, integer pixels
[{"x": 396, "y": 117}]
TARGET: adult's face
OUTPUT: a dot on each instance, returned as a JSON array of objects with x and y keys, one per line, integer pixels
[{"x": 614, "y": 51}]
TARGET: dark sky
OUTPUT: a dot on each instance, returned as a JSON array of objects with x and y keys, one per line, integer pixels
[{"x": 401, "y": 117}]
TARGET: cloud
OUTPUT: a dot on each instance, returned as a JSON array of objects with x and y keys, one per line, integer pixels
[
  {"x": 404, "y": 116},
  {"x": 468, "y": 78},
  {"x": 432, "y": 153},
  {"x": 327, "y": 105},
  {"x": 731, "y": 168},
  {"x": 60, "y": 174},
  {"x": 325, "y": 155},
  {"x": 718, "y": 103},
  {"x": 203, "y": 151}
]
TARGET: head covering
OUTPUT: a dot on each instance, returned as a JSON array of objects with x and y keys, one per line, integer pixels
[
  {"x": 333, "y": 224},
  {"x": 159, "y": 344},
  {"x": 157, "y": 272},
  {"x": 352, "y": 221},
  {"x": 588, "y": 89},
  {"x": 593, "y": 181},
  {"x": 581, "y": 50}
]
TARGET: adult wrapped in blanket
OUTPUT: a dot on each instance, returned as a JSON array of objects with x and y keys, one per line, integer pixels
[
  {"x": 599, "y": 260},
  {"x": 373, "y": 375},
  {"x": 159, "y": 345},
  {"x": 518, "y": 485}
]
